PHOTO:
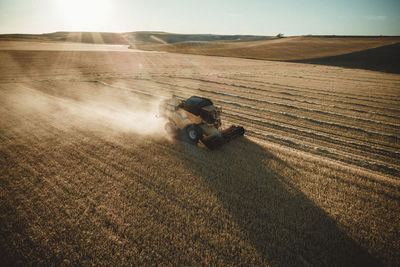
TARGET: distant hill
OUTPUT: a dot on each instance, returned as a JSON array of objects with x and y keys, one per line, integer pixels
[
  {"x": 289, "y": 48},
  {"x": 373, "y": 53},
  {"x": 133, "y": 38},
  {"x": 368, "y": 52},
  {"x": 384, "y": 58},
  {"x": 144, "y": 37}
]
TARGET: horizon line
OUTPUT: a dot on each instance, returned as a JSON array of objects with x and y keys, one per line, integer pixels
[{"x": 157, "y": 31}]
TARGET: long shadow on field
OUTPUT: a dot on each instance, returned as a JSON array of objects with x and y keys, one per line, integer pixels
[
  {"x": 280, "y": 222},
  {"x": 384, "y": 58}
]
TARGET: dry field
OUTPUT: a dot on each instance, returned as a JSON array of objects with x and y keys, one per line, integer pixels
[
  {"x": 289, "y": 48},
  {"x": 371, "y": 53},
  {"x": 88, "y": 177}
]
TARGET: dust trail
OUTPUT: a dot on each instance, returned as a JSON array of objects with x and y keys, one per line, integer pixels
[
  {"x": 140, "y": 118},
  {"x": 101, "y": 110}
]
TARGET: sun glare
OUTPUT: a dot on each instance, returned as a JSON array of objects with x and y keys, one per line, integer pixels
[{"x": 84, "y": 15}]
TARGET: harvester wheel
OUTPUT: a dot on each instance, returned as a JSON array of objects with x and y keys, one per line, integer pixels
[
  {"x": 170, "y": 128},
  {"x": 194, "y": 133}
]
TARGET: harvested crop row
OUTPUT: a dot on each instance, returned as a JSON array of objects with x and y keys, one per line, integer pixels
[
  {"x": 256, "y": 102},
  {"x": 368, "y": 80},
  {"x": 308, "y": 102},
  {"x": 289, "y": 109},
  {"x": 361, "y": 149},
  {"x": 321, "y": 89}
]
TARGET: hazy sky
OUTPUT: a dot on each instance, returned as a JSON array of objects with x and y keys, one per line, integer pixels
[{"x": 263, "y": 17}]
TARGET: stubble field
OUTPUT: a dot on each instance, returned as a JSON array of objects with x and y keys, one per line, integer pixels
[{"x": 89, "y": 177}]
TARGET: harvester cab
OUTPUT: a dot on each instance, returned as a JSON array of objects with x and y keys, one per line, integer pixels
[{"x": 198, "y": 120}]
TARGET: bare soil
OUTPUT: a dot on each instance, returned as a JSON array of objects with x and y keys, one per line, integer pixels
[{"x": 89, "y": 177}]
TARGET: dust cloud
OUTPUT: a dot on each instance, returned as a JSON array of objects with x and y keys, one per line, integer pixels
[
  {"x": 99, "y": 111},
  {"x": 140, "y": 118}
]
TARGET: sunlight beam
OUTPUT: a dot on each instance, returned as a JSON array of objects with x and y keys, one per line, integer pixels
[{"x": 84, "y": 15}]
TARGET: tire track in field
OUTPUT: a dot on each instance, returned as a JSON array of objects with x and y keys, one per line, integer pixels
[
  {"x": 364, "y": 163},
  {"x": 312, "y": 124},
  {"x": 301, "y": 77},
  {"x": 307, "y": 94},
  {"x": 236, "y": 104},
  {"x": 361, "y": 146},
  {"x": 323, "y": 141},
  {"x": 306, "y": 102},
  {"x": 300, "y": 93},
  {"x": 377, "y": 96},
  {"x": 321, "y": 144},
  {"x": 311, "y": 148},
  {"x": 317, "y": 91},
  {"x": 371, "y": 144},
  {"x": 376, "y": 166},
  {"x": 366, "y": 77},
  {"x": 360, "y": 130},
  {"x": 352, "y": 118},
  {"x": 272, "y": 85},
  {"x": 311, "y": 127}
]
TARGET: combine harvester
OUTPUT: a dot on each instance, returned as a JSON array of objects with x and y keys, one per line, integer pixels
[{"x": 197, "y": 120}]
